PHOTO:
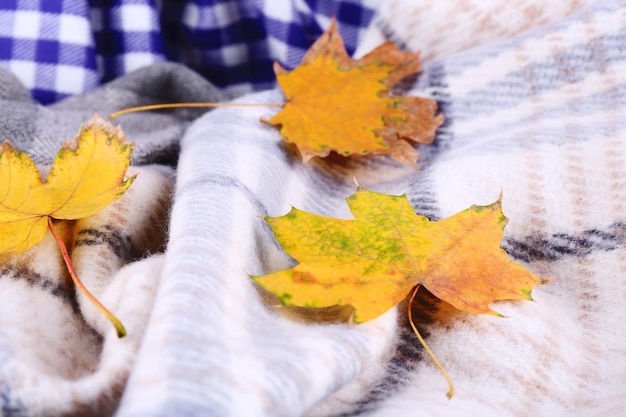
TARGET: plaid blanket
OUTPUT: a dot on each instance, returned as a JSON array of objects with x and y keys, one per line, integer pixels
[
  {"x": 59, "y": 48},
  {"x": 534, "y": 100}
]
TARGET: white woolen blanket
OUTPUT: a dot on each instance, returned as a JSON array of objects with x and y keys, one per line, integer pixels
[{"x": 534, "y": 112}]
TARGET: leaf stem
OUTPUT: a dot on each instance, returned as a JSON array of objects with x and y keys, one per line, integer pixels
[
  {"x": 178, "y": 105},
  {"x": 121, "y": 331},
  {"x": 430, "y": 352}
]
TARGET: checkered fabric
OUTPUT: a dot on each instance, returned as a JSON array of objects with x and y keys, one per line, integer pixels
[
  {"x": 58, "y": 48},
  {"x": 49, "y": 46}
]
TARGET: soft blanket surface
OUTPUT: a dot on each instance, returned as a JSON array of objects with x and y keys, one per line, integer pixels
[{"x": 534, "y": 108}]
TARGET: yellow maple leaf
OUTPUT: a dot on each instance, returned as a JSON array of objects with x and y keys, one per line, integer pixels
[
  {"x": 335, "y": 103},
  {"x": 86, "y": 176},
  {"x": 373, "y": 261}
]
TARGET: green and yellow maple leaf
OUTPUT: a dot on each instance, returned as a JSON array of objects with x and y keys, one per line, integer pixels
[{"x": 375, "y": 260}]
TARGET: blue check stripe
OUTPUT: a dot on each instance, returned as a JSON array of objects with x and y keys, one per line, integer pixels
[{"x": 63, "y": 47}]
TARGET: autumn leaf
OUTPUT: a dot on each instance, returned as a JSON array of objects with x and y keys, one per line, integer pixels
[
  {"x": 335, "y": 103},
  {"x": 86, "y": 176},
  {"x": 373, "y": 261}
]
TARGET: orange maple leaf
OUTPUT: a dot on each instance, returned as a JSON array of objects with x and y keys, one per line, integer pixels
[
  {"x": 338, "y": 104},
  {"x": 335, "y": 103}
]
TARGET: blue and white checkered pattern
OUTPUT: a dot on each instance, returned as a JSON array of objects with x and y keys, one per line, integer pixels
[
  {"x": 58, "y": 48},
  {"x": 49, "y": 46}
]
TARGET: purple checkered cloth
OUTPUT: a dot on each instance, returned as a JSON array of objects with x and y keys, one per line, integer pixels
[{"x": 59, "y": 48}]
